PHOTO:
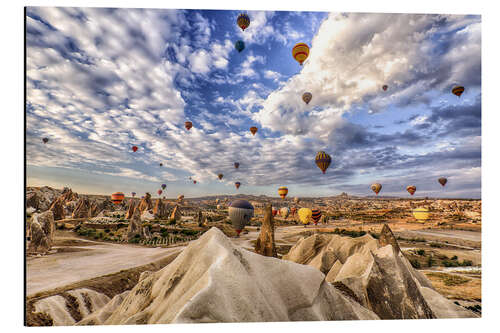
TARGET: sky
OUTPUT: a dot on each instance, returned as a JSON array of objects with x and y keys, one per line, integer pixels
[{"x": 100, "y": 81}]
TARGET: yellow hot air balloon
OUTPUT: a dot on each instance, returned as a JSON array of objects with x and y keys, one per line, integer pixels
[
  {"x": 421, "y": 214},
  {"x": 306, "y": 97},
  {"x": 300, "y": 52},
  {"x": 305, "y": 215},
  {"x": 323, "y": 160},
  {"x": 283, "y": 191},
  {"x": 376, "y": 187}
]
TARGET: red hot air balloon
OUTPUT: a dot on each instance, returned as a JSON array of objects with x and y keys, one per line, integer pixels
[
  {"x": 194, "y": 181},
  {"x": 188, "y": 125},
  {"x": 411, "y": 189},
  {"x": 117, "y": 197},
  {"x": 275, "y": 211},
  {"x": 134, "y": 148},
  {"x": 316, "y": 216},
  {"x": 160, "y": 192}
]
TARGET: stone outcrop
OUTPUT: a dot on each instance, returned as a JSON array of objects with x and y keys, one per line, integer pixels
[
  {"x": 196, "y": 287},
  {"x": 265, "y": 242},
  {"x": 134, "y": 225},
  {"x": 57, "y": 208},
  {"x": 376, "y": 274},
  {"x": 176, "y": 214},
  {"x": 99, "y": 317},
  {"x": 41, "y": 232},
  {"x": 160, "y": 210},
  {"x": 131, "y": 209},
  {"x": 145, "y": 203},
  {"x": 81, "y": 209}
]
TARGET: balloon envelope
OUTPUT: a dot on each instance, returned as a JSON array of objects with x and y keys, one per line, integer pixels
[
  {"x": 283, "y": 191},
  {"x": 220, "y": 175},
  {"x": 421, "y": 214},
  {"x": 442, "y": 181},
  {"x": 236, "y": 165},
  {"x": 306, "y": 97},
  {"x": 240, "y": 213},
  {"x": 376, "y": 187},
  {"x": 188, "y": 125},
  {"x": 411, "y": 189},
  {"x": 315, "y": 215},
  {"x": 117, "y": 197},
  {"x": 243, "y": 21},
  {"x": 133, "y": 194},
  {"x": 134, "y": 148},
  {"x": 253, "y": 130},
  {"x": 300, "y": 52},
  {"x": 458, "y": 90},
  {"x": 323, "y": 160},
  {"x": 284, "y": 212},
  {"x": 305, "y": 215},
  {"x": 237, "y": 184},
  {"x": 163, "y": 186},
  {"x": 239, "y": 45},
  {"x": 45, "y": 140},
  {"x": 385, "y": 86}
]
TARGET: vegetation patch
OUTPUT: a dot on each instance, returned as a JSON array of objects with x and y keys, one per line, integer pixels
[{"x": 449, "y": 279}]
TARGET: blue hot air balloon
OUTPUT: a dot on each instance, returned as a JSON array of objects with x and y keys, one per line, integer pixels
[{"x": 239, "y": 45}]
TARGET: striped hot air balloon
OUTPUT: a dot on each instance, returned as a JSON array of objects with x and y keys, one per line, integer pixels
[
  {"x": 300, "y": 52},
  {"x": 458, "y": 90},
  {"x": 188, "y": 125},
  {"x": 421, "y": 214},
  {"x": 243, "y": 21},
  {"x": 315, "y": 215},
  {"x": 323, "y": 160},
  {"x": 253, "y": 130},
  {"x": 411, "y": 189},
  {"x": 240, "y": 212},
  {"x": 306, "y": 97},
  {"x": 237, "y": 184},
  {"x": 376, "y": 187},
  {"x": 283, "y": 191},
  {"x": 117, "y": 197}
]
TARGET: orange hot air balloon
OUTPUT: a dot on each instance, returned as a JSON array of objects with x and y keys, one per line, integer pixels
[
  {"x": 300, "y": 52},
  {"x": 376, "y": 187},
  {"x": 243, "y": 21},
  {"x": 134, "y": 148},
  {"x": 411, "y": 189},
  {"x": 237, "y": 184},
  {"x": 117, "y": 197},
  {"x": 220, "y": 175},
  {"x": 253, "y": 129},
  {"x": 458, "y": 90},
  {"x": 283, "y": 191},
  {"x": 188, "y": 125}
]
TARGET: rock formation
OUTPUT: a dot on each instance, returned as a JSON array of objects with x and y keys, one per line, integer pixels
[
  {"x": 134, "y": 225},
  {"x": 376, "y": 274},
  {"x": 199, "y": 219},
  {"x": 81, "y": 209},
  {"x": 41, "y": 232},
  {"x": 196, "y": 287},
  {"x": 131, "y": 209},
  {"x": 265, "y": 242},
  {"x": 160, "y": 210},
  {"x": 176, "y": 214},
  {"x": 145, "y": 203},
  {"x": 99, "y": 317},
  {"x": 57, "y": 208}
]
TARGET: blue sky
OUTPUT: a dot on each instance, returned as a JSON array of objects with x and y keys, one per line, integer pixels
[{"x": 102, "y": 80}]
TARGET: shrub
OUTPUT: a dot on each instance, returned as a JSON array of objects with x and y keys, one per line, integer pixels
[
  {"x": 120, "y": 225},
  {"x": 454, "y": 258},
  {"x": 171, "y": 221},
  {"x": 421, "y": 252},
  {"x": 134, "y": 240},
  {"x": 189, "y": 232},
  {"x": 465, "y": 263},
  {"x": 137, "y": 236},
  {"x": 415, "y": 263},
  {"x": 448, "y": 263},
  {"x": 107, "y": 230},
  {"x": 436, "y": 245}
]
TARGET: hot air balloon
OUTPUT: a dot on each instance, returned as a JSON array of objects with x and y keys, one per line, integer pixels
[
  {"x": 293, "y": 210},
  {"x": 180, "y": 197},
  {"x": 385, "y": 86},
  {"x": 161, "y": 164},
  {"x": 376, "y": 187},
  {"x": 253, "y": 129},
  {"x": 411, "y": 189},
  {"x": 160, "y": 192},
  {"x": 243, "y": 21},
  {"x": 274, "y": 211},
  {"x": 283, "y": 191},
  {"x": 240, "y": 213},
  {"x": 284, "y": 212},
  {"x": 219, "y": 206},
  {"x": 188, "y": 125},
  {"x": 220, "y": 175},
  {"x": 458, "y": 90},
  {"x": 163, "y": 186},
  {"x": 300, "y": 52},
  {"x": 45, "y": 140},
  {"x": 117, "y": 197},
  {"x": 236, "y": 165},
  {"x": 239, "y": 45},
  {"x": 306, "y": 97},
  {"x": 315, "y": 215},
  {"x": 442, "y": 181},
  {"x": 194, "y": 181},
  {"x": 217, "y": 201},
  {"x": 133, "y": 194},
  {"x": 296, "y": 200},
  {"x": 323, "y": 160},
  {"x": 305, "y": 215},
  {"x": 421, "y": 214},
  {"x": 237, "y": 184},
  {"x": 134, "y": 148}
]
